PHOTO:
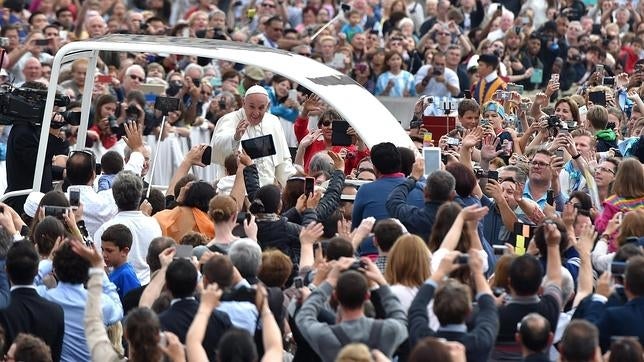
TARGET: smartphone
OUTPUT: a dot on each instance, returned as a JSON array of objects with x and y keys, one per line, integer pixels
[
  {"x": 537, "y": 76},
  {"x": 243, "y": 216},
  {"x": 74, "y": 198},
  {"x": 292, "y": 94},
  {"x": 309, "y": 186},
  {"x": 583, "y": 110},
  {"x": 559, "y": 153},
  {"x": 104, "y": 78},
  {"x": 598, "y": 98},
  {"x": 41, "y": 42},
  {"x": 597, "y": 29},
  {"x": 345, "y": 7},
  {"x": 166, "y": 104},
  {"x": 499, "y": 249},
  {"x": 183, "y": 252},
  {"x": 599, "y": 68},
  {"x": 206, "y": 158},
  {"x": 4, "y": 42},
  {"x": 339, "y": 136},
  {"x": 550, "y": 197},
  {"x": 462, "y": 259},
  {"x": 554, "y": 77},
  {"x": 432, "y": 156},
  {"x": 493, "y": 175},
  {"x": 63, "y": 35},
  {"x": 485, "y": 122},
  {"x": 298, "y": 282},
  {"x": 55, "y": 211},
  {"x": 617, "y": 268}
]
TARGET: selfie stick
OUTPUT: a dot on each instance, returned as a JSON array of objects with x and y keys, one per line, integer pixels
[
  {"x": 340, "y": 14},
  {"x": 156, "y": 155}
]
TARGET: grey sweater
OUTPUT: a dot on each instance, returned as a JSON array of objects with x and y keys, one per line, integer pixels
[{"x": 323, "y": 340}]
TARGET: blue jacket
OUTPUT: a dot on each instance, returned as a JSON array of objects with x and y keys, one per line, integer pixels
[
  {"x": 279, "y": 109},
  {"x": 627, "y": 320},
  {"x": 417, "y": 220},
  {"x": 491, "y": 259}
]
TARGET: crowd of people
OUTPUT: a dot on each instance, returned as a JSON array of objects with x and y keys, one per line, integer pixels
[{"x": 524, "y": 243}]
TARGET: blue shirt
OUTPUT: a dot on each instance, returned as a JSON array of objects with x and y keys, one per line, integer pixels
[
  {"x": 125, "y": 279},
  {"x": 404, "y": 81},
  {"x": 73, "y": 298},
  {"x": 560, "y": 200}
]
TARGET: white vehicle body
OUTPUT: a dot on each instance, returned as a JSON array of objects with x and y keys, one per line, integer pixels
[{"x": 372, "y": 121}]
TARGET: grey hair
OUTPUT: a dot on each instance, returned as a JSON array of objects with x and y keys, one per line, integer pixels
[
  {"x": 246, "y": 256},
  {"x": 567, "y": 286},
  {"x": 522, "y": 177},
  {"x": 321, "y": 161},
  {"x": 440, "y": 185},
  {"x": 127, "y": 190},
  {"x": 194, "y": 66}
]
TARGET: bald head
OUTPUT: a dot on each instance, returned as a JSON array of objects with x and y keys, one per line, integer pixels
[
  {"x": 534, "y": 333},
  {"x": 32, "y": 70}
]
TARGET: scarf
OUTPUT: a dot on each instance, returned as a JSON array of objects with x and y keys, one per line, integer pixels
[
  {"x": 574, "y": 175},
  {"x": 606, "y": 135}
]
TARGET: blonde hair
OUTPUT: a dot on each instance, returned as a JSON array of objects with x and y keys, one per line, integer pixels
[
  {"x": 354, "y": 352},
  {"x": 408, "y": 261},
  {"x": 632, "y": 225}
]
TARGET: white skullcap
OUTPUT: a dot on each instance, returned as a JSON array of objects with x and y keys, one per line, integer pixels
[
  {"x": 256, "y": 89},
  {"x": 31, "y": 205}
]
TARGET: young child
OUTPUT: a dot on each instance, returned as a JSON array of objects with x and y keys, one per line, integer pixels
[
  {"x": 353, "y": 27},
  {"x": 116, "y": 242},
  {"x": 111, "y": 164}
]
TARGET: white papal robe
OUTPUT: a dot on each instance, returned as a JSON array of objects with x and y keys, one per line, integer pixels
[{"x": 276, "y": 167}]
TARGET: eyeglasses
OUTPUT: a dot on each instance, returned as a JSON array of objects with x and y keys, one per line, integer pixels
[
  {"x": 539, "y": 164},
  {"x": 603, "y": 169},
  {"x": 268, "y": 5},
  {"x": 395, "y": 44},
  {"x": 444, "y": 34},
  {"x": 84, "y": 152},
  {"x": 136, "y": 77}
]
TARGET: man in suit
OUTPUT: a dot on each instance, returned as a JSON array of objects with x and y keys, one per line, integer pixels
[
  {"x": 489, "y": 81},
  {"x": 452, "y": 306},
  {"x": 28, "y": 312},
  {"x": 626, "y": 320},
  {"x": 181, "y": 281}
]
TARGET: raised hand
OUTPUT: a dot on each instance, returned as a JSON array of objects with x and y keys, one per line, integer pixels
[
  {"x": 241, "y": 129},
  {"x": 338, "y": 162},
  {"x": 194, "y": 155},
  {"x": 311, "y": 233}
]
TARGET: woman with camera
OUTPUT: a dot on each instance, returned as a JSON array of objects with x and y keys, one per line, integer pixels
[{"x": 102, "y": 136}]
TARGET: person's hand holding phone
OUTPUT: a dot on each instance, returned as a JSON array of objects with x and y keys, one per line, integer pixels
[
  {"x": 250, "y": 227},
  {"x": 195, "y": 154}
]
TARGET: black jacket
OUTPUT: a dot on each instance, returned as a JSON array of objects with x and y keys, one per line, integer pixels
[
  {"x": 478, "y": 342},
  {"x": 30, "y": 313},
  {"x": 179, "y": 316},
  {"x": 283, "y": 235},
  {"x": 22, "y": 151},
  {"x": 328, "y": 203},
  {"x": 417, "y": 221}
]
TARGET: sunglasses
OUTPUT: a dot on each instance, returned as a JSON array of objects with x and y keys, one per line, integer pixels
[
  {"x": 268, "y": 5},
  {"x": 136, "y": 77},
  {"x": 325, "y": 123}
]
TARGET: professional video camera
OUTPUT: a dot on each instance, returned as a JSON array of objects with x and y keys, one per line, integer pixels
[{"x": 27, "y": 105}]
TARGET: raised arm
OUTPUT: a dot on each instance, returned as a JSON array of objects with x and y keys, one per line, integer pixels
[
  {"x": 153, "y": 290},
  {"x": 194, "y": 338}
]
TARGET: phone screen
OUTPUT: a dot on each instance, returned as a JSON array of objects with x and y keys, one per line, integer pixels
[
  {"x": 183, "y": 252},
  {"x": 207, "y": 155},
  {"x": 432, "y": 156},
  {"x": 339, "y": 136},
  {"x": 259, "y": 146},
  {"x": 74, "y": 198},
  {"x": 598, "y": 98},
  {"x": 309, "y": 185}
]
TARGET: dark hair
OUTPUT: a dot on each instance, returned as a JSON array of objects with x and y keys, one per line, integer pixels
[
  {"x": 237, "y": 345},
  {"x": 34, "y": 14},
  {"x": 407, "y": 159},
  {"x": 198, "y": 195},
  {"x": 445, "y": 217},
  {"x": 156, "y": 199},
  {"x": 52, "y": 198},
  {"x": 386, "y": 232},
  {"x": 535, "y": 332},
  {"x": 525, "y": 275},
  {"x": 100, "y": 102},
  {"x": 193, "y": 239},
  {"x": 111, "y": 163},
  {"x": 386, "y": 158},
  {"x": 157, "y": 245},
  {"x": 452, "y": 302},
  {"x": 279, "y": 79},
  {"x": 80, "y": 167},
  {"x": 230, "y": 164},
  {"x": 181, "y": 278},
  {"x": 31, "y": 348},
  {"x": 468, "y": 105},
  {"x": 331, "y": 224},
  {"x": 267, "y": 200},
  {"x": 540, "y": 238},
  {"x": 127, "y": 190},
  {"x": 351, "y": 289},
  {"x": 22, "y": 263},
  {"x": 430, "y": 349},
  {"x": 585, "y": 202},
  {"x": 183, "y": 182},
  {"x": 119, "y": 235},
  {"x": 219, "y": 269},
  {"x": 45, "y": 234},
  {"x": 634, "y": 275},
  {"x": 464, "y": 177},
  {"x": 142, "y": 331},
  {"x": 579, "y": 341},
  {"x": 439, "y": 186},
  {"x": 337, "y": 248},
  {"x": 626, "y": 349},
  {"x": 69, "y": 267}
]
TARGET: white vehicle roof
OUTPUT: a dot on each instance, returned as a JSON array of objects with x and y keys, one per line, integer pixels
[{"x": 372, "y": 121}]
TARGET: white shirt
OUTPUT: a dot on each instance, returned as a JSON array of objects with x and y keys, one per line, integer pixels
[
  {"x": 434, "y": 88},
  {"x": 406, "y": 295},
  {"x": 278, "y": 166},
  {"x": 98, "y": 207},
  {"x": 441, "y": 253},
  {"x": 144, "y": 229}
]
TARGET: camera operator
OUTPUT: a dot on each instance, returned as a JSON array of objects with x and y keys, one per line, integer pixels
[
  {"x": 436, "y": 79},
  {"x": 22, "y": 151}
]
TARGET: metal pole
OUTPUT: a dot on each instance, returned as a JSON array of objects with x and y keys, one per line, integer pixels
[{"x": 156, "y": 155}]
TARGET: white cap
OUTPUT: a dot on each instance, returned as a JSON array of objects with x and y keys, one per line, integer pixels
[
  {"x": 31, "y": 205},
  {"x": 256, "y": 89}
]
